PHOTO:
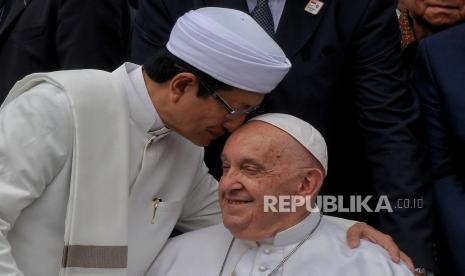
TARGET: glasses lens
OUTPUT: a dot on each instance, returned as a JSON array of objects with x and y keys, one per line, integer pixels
[{"x": 233, "y": 113}]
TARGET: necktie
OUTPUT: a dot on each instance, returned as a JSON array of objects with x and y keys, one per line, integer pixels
[
  {"x": 407, "y": 34},
  {"x": 262, "y": 14}
]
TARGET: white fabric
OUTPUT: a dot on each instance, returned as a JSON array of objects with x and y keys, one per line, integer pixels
[
  {"x": 303, "y": 132},
  {"x": 89, "y": 187},
  {"x": 36, "y": 138},
  {"x": 276, "y": 8},
  {"x": 229, "y": 46},
  {"x": 325, "y": 253}
]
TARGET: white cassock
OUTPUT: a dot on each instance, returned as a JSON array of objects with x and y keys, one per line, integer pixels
[
  {"x": 203, "y": 252},
  {"x": 36, "y": 138}
]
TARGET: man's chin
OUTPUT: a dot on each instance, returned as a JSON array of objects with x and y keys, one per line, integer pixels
[
  {"x": 201, "y": 142},
  {"x": 234, "y": 227},
  {"x": 232, "y": 221}
]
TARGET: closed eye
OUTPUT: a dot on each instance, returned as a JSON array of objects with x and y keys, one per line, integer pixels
[
  {"x": 251, "y": 169},
  {"x": 225, "y": 167}
]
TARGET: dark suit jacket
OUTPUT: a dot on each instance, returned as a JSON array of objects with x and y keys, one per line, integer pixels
[
  {"x": 347, "y": 81},
  {"x": 49, "y": 35},
  {"x": 440, "y": 81}
]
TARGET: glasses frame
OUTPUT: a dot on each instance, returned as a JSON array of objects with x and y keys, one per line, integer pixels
[{"x": 233, "y": 113}]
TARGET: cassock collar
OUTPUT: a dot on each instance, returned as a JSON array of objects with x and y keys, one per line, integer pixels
[
  {"x": 140, "y": 105},
  {"x": 295, "y": 233}
]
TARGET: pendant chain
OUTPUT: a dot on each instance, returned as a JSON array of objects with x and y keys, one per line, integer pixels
[{"x": 285, "y": 258}]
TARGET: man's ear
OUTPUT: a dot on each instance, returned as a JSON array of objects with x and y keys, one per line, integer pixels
[
  {"x": 311, "y": 183},
  {"x": 182, "y": 84}
]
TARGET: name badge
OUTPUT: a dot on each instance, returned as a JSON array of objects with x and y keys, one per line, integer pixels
[{"x": 314, "y": 7}]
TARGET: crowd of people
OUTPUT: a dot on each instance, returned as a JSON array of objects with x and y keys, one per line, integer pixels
[{"x": 361, "y": 95}]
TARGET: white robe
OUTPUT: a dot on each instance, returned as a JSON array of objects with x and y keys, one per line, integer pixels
[
  {"x": 325, "y": 253},
  {"x": 36, "y": 137}
]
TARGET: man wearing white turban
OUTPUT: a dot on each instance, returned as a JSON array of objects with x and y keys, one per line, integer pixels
[
  {"x": 86, "y": 153},
  {"x": 271, "y": 157}
]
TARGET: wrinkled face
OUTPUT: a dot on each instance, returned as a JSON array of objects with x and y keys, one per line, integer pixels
[
  {"x": 437, "y": 12},
  {"x": 256, "y": 162},
  {"x": 202, "y": 120}
]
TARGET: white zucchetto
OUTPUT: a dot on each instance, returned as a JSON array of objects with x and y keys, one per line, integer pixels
[
  {"x": 229, "y": 46},
  {"x": 303, "y": 132}
]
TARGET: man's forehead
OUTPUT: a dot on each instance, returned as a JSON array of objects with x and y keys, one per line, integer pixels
[
  {"x": 259, "y": 132},
  {"x": 256, "y": 139}
]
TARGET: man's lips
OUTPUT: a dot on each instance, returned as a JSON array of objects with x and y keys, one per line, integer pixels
[
  {"x": 237, "y": 201},
  {"x": 444, "y": 6}
]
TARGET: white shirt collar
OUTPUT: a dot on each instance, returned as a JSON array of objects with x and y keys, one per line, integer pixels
[
  {"x": 141, "y": 106},
  {"x": 295, "y": 233}
]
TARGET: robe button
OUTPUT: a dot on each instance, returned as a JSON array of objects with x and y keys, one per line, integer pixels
[
  {"x": 262, "y": 268},
  {"x": 267, "y": 251}
]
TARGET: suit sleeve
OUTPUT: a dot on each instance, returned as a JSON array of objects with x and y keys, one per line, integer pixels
[
  {"x": 92, "y": 34},
  {"x": 152, "y": 25},
  {"x": 388, "y": 115},
  {"x": 148, "y": 38},
  {"x": 34, "y": 145},
  {"x": 449, "y": 193}
]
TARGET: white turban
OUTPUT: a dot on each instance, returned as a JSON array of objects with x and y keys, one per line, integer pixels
[
  {"x": 229, "y": 46},
  {"x": 303, "y": 132}
]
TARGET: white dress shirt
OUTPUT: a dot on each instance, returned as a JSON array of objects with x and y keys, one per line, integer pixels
[{"x": 325, "y": 253}]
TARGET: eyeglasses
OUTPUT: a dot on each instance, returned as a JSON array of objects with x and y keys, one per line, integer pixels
[{"x": 233, "y": 113}]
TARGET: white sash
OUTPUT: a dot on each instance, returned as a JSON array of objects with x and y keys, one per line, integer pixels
[{"x": 96, "y": 231}]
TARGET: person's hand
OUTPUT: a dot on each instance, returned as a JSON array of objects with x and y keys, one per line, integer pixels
[{"x": 364, "y": 231}]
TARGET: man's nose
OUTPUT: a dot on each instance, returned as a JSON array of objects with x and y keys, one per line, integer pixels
[
  {"x": 233, "y": 124},
  {"x": 229, "y": 181},
  {"x": 233, "y": 186}
]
